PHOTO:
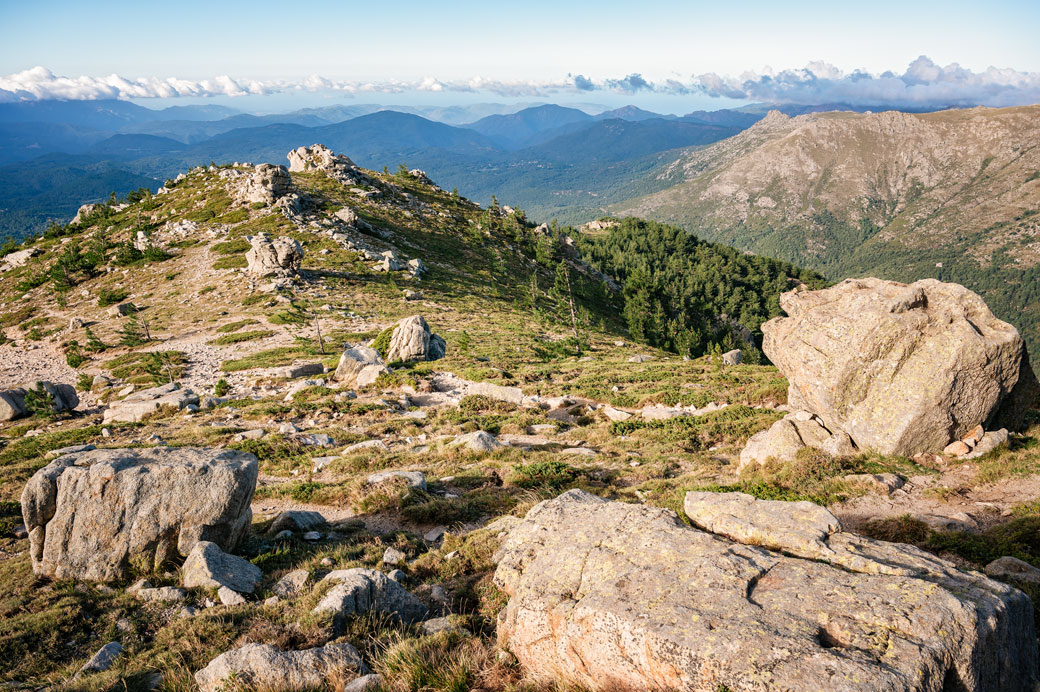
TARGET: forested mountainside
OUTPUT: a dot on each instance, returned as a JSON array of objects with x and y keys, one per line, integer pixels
[{"x": 953, "y": 194}]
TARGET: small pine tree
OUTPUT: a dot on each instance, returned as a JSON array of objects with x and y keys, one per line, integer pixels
[
  {"x": 94, "y": 344},
  {"x": 131, "y": 334}
]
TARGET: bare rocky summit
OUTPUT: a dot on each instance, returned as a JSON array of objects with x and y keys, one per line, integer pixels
[{"x": 620, "y": 596}]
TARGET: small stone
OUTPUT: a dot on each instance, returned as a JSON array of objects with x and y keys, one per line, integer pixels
[
  {"x": 393, "y": 556},
  {"x": 1012, "y": 568},
  {"x": 435, "y": 534},
  {"x": 327, "y": 562},
  {"x": 291, "y": 584},
  {"x": 105, "y": 432},
  {"x": 956, "y": 448},
  {"x": 397, "y": 575},
  {"x": 273, "y": 600},
  {"x": 312, "y": 536},
  {"x": 229, "y": 597},
  {"x": 103, "y": 659}
]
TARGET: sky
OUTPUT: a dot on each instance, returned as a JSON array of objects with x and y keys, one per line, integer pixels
[{"x": 653, "y": 53}]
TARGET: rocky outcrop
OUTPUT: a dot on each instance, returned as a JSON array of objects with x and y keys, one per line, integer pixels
[
  {"x": 359, "y": 367},
  {"x": 273, "y": 256},
  {"x": 263, "y": 667},
  {"x": 412, "y": 340},
  {"x": 18, "y": 259},
  {"x": 319, "y": 158},
  {"x": 611, "y": 595},
  {"x": 361, "y": 590},
  {"x": 266, "y": 185},
  {"x": 83, "y": 212},
  {"x": 60, "y": 397},
  {"x": 135, "y": 407},
  {"x": 901, "y": 368},
  {"x": 478, "y": 441},
  {"x": 95, "y": 514}
]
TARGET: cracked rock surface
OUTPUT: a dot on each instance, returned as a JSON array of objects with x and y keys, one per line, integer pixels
[{"x": 615, "y": 595}]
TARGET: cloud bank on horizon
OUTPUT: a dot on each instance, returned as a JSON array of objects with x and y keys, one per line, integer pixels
[{"x": 923, "y": 84}]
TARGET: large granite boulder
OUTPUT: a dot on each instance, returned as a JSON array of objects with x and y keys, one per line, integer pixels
[
  {"x": 412, "y": 340},
  {"x": 359, "y": 367},
  {"x": 263, "y": 667},
  {"x": 901, "y": 368},
  {"x": 611, "y": 595},
  {"x": 62, "y": 397},
  {"x": 96, "y": 514},
  {"x": 265, "y": 185},
  {"x": 268, "y": 256},
  {"x": 135, "y": 407}
]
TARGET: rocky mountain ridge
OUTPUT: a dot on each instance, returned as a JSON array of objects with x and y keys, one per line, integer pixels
[{"x": 953, "y": 195}]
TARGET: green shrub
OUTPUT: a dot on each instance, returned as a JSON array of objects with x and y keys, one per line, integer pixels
[
  {"x": 545, "y": 474},
  {"x": 112, "y": 296}
]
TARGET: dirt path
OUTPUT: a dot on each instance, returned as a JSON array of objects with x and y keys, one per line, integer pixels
[{"x": 951, "y": 496}]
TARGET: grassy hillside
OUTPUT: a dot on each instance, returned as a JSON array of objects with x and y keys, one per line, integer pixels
[{"x": 500, "y": 290}]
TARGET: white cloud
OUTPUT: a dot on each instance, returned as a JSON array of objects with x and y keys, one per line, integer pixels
[{"x": 923, "y": 84}]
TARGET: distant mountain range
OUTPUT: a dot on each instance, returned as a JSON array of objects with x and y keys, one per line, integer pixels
[
  {"x": 62, "y": 145},
  {"x": 953, "y": 195}
]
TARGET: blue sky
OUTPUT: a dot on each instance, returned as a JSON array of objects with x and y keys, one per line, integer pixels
[{"x": 536, "y": 43}]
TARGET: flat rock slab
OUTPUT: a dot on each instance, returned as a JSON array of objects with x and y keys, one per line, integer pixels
[
  {"x": 610, "y": 595},
  {"x": 91, "y": 514}
]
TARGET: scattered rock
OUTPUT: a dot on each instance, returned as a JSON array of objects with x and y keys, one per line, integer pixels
[
  {"x": 273, "y": 257},
  {"x": 17, "y": 259},
  {"x": 989, "y": 442},
  {"x": 900, "y": 367},
  {"x": 140, "y": 404},
  {"x": 782, "y": 440},
  {"x": 263, "y": 667},
  {"x": 210, "y": 567},
  {"x": 416, "y": 479},
  {"x": 512, "y": 395},
  {"x": 734, "y": 357},
  {"x": 615, "y": 414},
  {"x": 1012, "y": 568},
  {"x": 12, "y": 401},
  {"x": 393, "y": 556},
  {"x": 122, "y": 310},
  {"x": 361, "y": 590},
  {"x": 412, "y": 340},
  {"x": 89, "y": 513},
  {"x": 103, "y": 659},
  {"x": 291, "y": 584},
  {"x": 640, "y": 358},
  {"x": 613, "y": 591},
  {"x": 320, "y": 158},
  {"x": 359, "y": 367},
  {"x": 366, "y": 683},
  {"x": 230, "y": 597},
  {"x": 956, "y": 448},
  {"x": 883, "y": 482},
  {"x": 478, "y": 441},
  {"x": 297, "y": 520},
  {"x": 435, "y": 534}
]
